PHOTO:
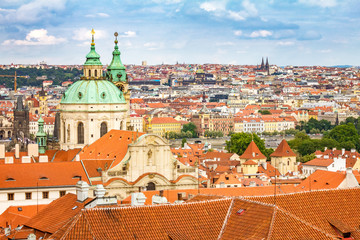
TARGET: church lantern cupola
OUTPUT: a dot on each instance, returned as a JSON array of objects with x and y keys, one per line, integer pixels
[
  {"x": 93, "y": 66},
  {"x": 116, "y": 70}
]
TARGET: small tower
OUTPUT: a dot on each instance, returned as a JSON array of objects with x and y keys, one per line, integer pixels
[
  {"x": 93, "y": 66},
  {"x": 41, "y": 136},
  {"x": 267, "y": 66},
  {"x": 262, "y": 64}
]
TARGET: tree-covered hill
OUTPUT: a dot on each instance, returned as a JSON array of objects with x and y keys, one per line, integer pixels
[{"x": 57, "y": 75}]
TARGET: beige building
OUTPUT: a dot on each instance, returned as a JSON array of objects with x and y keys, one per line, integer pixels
[
  {"x": 133, "y": 160},
  {"x": 284, "y": 159}
]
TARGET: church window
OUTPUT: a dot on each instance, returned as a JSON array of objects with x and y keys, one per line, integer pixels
[
  {"x": 64, "y": 133},
  {"x": 89, "y": 73},
  {"x": 103, "y": 129},
  {"x": 80, "y": 95},
  {"x": 80, "y": 133},
  {"x": 150, "y": 186},
  {"x": 103, "y": 95},
  {"x": 95, "y": 73}
]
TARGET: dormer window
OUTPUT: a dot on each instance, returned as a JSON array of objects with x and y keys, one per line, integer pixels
[
  {"x": 43, "y": 178},
  {"x": 10, "y": 179}
]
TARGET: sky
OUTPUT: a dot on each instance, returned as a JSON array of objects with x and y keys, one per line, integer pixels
[{"x": 288, "y": 32}]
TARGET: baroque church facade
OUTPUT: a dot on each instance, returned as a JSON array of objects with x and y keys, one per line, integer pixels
[{"x": 96, "y": 103}]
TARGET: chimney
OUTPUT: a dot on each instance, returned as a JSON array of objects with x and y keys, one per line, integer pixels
[
  {"x": 2, "y": 151},
  {"x": 82, "y": 191},
  {"x": 180, "y": 196},
  {"x": 33, "y": 150},
  {"x": 353, "y": 150},
  {"x": 334, "y": 149},
  {"x": 264, "y": 165},
  {"x": 100, "y": 191},
  {"x": 17, "y": 151},
  {"x": 43, "y": 158},
  {"x": 351, "y": 180},
  {"x": 9, "y": 160},
  {"x": 26, "y": 159},
  {"x": 137, "y": 199},
  {"x": 343, "y": 151},
  {"x": 325, "y": 149}
]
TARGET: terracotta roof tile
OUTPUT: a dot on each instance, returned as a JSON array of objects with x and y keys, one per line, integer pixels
[
  {"x": 283, "y": 150},
  {"x": 252, "y": 152}
]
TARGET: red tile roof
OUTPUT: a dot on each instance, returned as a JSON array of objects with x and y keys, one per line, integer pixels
[
  {"x": 25, "y": 175},
  {"x": 57, "y": 213},
  {"x": 252, "y": 152},
  {"x": 112, "y": 146},
  {"x": 283, "y": 150},
  {"x": 18, "y": 215},
  {"x": 321, "y": 162}
]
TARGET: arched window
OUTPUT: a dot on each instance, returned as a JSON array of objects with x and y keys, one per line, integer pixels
[
  {"x": 95, "y": 73},
  {"x": 150, "y": 186},
  {"x": 103, "y": 129},
  {"x": 9, "y": 134},
  {"x": 89, "y": 73},
  {"x": 80, "y": 131}
]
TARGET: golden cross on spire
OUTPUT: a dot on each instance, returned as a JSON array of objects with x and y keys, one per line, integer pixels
[
  {"x": 116, "y": 35},
  {"x": 92, "y": 33}
]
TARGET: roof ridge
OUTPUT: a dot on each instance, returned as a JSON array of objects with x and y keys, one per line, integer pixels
[
  {"x": 272, "y": 223},
  {"x": 305, "y": 222},
  {"x": 157, "y": 205},
  {"x": 226, "y": 218},
  {"x": 89, "y": 225},
  {"x": 73, "y": 221}
]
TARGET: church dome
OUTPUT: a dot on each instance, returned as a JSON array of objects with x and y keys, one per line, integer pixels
[{"x": 93, "y": 92}]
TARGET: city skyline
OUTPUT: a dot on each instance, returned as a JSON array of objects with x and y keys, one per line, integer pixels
[{"x": 303, "y": 32}]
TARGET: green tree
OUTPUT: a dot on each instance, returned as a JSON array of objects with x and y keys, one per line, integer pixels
[
  {"x": 264, "y": 112},
  {"x": 306, "y": 147},
  {"x": 240, "y": 141},
  {"x": 183, "y": 141},
  {"x": 345, "y": 133},
  {"x": 190, "y": 127}
]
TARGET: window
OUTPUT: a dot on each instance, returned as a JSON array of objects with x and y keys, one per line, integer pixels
[
  {"x": 80, "y": 133},
  {"x": 89, "y": 73},
  {"x": 103, "y": 129},
  {"x": 45, "y": 195},
  {"x": 62, "y": 193},
  {"x": 10, "y": 196},
  {"x": 150, "y": 186},
  {"x": 95, "y": 73},
  {"x": 28, "y": 195}
]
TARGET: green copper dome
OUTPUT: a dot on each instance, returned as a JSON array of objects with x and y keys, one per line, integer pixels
[
  {"x": 116, "y": 70},
  {"x": 93, "y": 92}
]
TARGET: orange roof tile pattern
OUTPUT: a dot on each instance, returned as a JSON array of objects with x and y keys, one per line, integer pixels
[
  {"x": 283, "y": 150},
  {"x": 57, "y": 213},
  {"x": 203, "y": 221},
  {"x": 322, "y": 179},
  {"x": 112, "y": 146},
  {"x": 18, "y": 215},
  {"x": 252, "y": 152},
  {"x": 317, "y": 208},
  {"x": 25, "y": 175}
]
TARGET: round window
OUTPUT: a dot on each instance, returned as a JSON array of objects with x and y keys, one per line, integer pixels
[
  {"x": 80, "y": 95},
  {"x": 103, "y": 95}
]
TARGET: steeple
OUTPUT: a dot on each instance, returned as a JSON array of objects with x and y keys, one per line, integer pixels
[
  {"x": 92, "y": 65},
  {"x": 116, "y": 70},
  {"x": 92, "y": 58},
  {"x": 41, "y": 136},
  {"x": 262, "y": 64}
]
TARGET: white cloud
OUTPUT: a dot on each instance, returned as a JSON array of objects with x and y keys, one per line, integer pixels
[
  {"x": 238, "y": 33},
  {"x": 250, "y": 8},
  {"x": 128, "y": 34},
  {"x": 36, "y": 37},
  {"x": 83, "y": 34},
  {"x": 320, "y": 3},
  {"x": 237, "y": 16},
  {"x": 285, "y": 43},
  {"x": 33, "y": 11},
  {"x": 103, "y": 15},
  {"x": 225, "y": 44},
  {"x": 260, "y": 33},
  {"x": 213, "y": 6}
]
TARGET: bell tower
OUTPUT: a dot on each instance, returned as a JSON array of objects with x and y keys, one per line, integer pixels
[{"x": 92, "y": 65}]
